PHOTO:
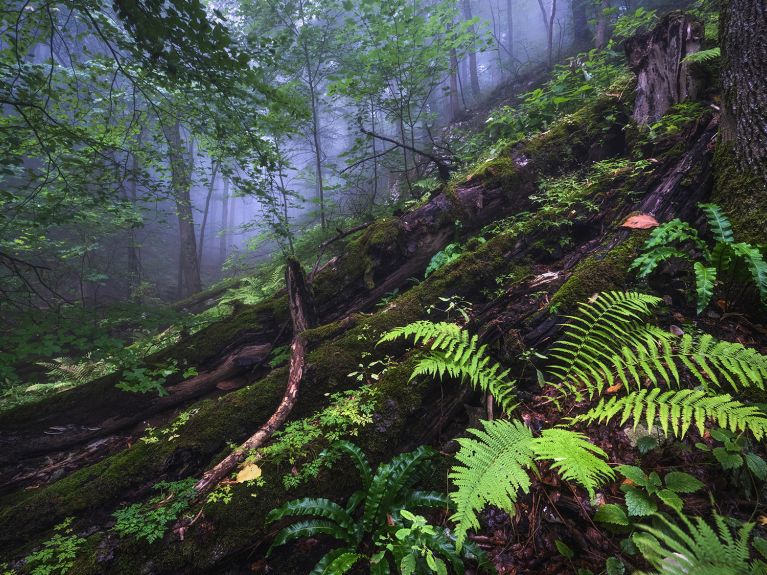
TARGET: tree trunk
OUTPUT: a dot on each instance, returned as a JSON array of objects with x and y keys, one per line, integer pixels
[
  {"x": 548, "y": 24},
  {"x": 214, "y": 171},
  {"x": 581, "y": 30},
  {"x": 455, "y": 106},
  {"x": 189, "y": 270},
  {"x": 603, "y": 24},
  {"x": 224, "y": 221},
  {"x": 510, "y": 29},
  {"x": 743, "y": 38},
  {"x": 134, "y": 255},
  {"x": 473, "y": 75},
  {"x": 656, "y": 57}
]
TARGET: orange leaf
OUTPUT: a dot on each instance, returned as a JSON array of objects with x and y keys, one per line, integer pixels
[{"x": 641, "y": 222}]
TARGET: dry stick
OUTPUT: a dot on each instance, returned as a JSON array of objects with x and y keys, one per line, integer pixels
[{"x": 301, "y": 314}]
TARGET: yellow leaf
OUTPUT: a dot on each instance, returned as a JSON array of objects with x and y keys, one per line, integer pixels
[{"x": 250, "y": 471}]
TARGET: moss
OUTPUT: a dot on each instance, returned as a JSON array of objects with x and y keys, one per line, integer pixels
[
  {"x": 604, "y": 271},
  {"x": 738, "y": 193},
  {"x": 574, "y": 138}
]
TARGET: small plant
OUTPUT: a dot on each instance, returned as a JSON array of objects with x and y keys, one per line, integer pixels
[
  {"x": 374, "y": 517},
  {"x": 746, "y": 469},
  {"x": 644, "y": 492},
  {"x": 141, "y": 379},
  {"x": 279, "y": 356},
  {"x": 447, "y": 255},
  {"x": 171, "y": 432},
  {"x": 58, "y": 553},
  {"x": 149, "y": 520},
  {"x": 726, "y": 263}
]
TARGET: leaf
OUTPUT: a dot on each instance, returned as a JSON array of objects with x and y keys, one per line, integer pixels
[
  {"x": 705, "y": 279},
  {"x": 564, "y": 549},
  {"x": 407, "y": 565},
  {"x": 680, "y": 482},
  {"x": 726, "y": 459},
  {"x": 756, "y": 465},
  {"x": 337, "y": 562},
  {"x": 634, "y": 473},
  {"x": 615, "y": 566},
  {"x": 640, "y": 222},
  {"x": 248, "y": 473},
  {"x": 611, "y": 513},
  {"x": 639, "y": 503},
  {"x": 671, "y": 499}
]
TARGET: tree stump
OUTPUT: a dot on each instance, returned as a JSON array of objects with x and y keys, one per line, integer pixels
[{"x": 657, "y": 59}]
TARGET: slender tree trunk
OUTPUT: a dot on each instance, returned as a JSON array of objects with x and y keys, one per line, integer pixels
[
  {"x": 224, "y": 221},
  {"x": 455, "y": 105},
  {"x": 375, "y": 154},
  {"x": 189, "y": 270},
  {"x": 743, "y": 38},
  {"x": 603, "y": 24},
  {"x": 213, "y": 172},
  {"x": 548, "y": 23},
  {"x": 134, "y": 256},
  {"x": 473, "y": 74},
  {"x": 581, "y": 31},
  {"x": 510, "y": 29}
]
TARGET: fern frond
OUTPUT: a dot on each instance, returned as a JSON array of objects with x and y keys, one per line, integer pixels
[
  {"x": 718, "y": 223},
  {"x": 491, "y": 470},
  {"x": 756, "y": 265},
  {"x": 574, "y": 458},
  {"x": 678, "y": 411},
  {"x": 674, "y": 231},
  {"x": 647, "y": 262},
  {"x": 316, "y": 507},
  {"x": 703, "y": 56},
  {"x": 456, "y": 353},
  {"x": 697, "y": 547},
  {"x": 705, "y": 280},
  {"x": 337, "y": 562},
  {"x": 608, "y": 322}
]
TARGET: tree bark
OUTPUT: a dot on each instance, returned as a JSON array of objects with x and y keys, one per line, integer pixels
[
  {"x": 510, "y": 29},
  {"x": 214, "y": 171},
  {"x": 603, "y": 25},
  {"x": 189, "y": 270},
  {"x": 473, "y": 75},
  {"x": 455, "y": 105},
  {"x": 743, "y": 38},
  {"x": 656, "y": 57},
  {"x": 224, "y": 221},
  {"x": 581, "y": 30}
]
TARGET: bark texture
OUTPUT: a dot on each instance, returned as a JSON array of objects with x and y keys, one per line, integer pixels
[
  {"x": 743, "y": 38},
  {"x": 656, "y": 57}
]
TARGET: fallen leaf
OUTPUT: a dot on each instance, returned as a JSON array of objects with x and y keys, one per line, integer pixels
[
  {"x": 641, "y": 222},
  {"x": 615, "y": 388},
  {"x": 250, "y": 471},
  {"x": 762, "y": 519}
]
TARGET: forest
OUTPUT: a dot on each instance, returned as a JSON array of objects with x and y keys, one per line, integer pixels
[{"x": 415, "y": 287}]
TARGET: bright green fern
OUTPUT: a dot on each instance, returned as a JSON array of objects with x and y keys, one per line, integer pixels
[
  {"x": 453, "y": 351},
  {"x": 493, "y": 467},
  {"x": 703, "y": 56},
  {"x": 678, "y": 411}
]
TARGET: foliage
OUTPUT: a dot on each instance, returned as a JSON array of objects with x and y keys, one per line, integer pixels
[
  {"x": 171, "y": 432},
  {"x": 493, "y": 467},
  {"x": 745, "y": 468},
  {"x": 637, "y": 22},
  {"x": 384, "y": 497},
  {"x": 58, "y": 553},
  {"x": 703, "y": 56},
  {"x": 697, "y": 546},
  {"x": 149, "y": 520},
  {"x": 725, "y": 259},
  {"x": 644, "y": 492},
  {"x": 299, "y": 441},
  {"x": 453, "y": 352},
  {"x": 678, "y": 410},
  {"x": 447, "y": 255}
]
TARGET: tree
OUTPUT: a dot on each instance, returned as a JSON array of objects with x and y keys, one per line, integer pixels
[{"x": 743, "y": 38}]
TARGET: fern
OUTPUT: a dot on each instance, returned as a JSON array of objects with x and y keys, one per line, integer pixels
[
  {"x": 491, "y": 470},
  {"x": 646, "y": 263},
  {"x": 718, "y": 223},
  {"x": 703, "y": 56},
  {"x": 492, "y": 467},
  {"x": 607, "y": 342},
  {"x": 705, "y": 280},
  {"x": 678, "y": 411},
  {"x": 456, "y": 353},
  {"x": 587, "y": 348},
  {"x": 698, "y": 548},
  {"x": 574, "y": 458},
  {"x": 755, "y": 264}
]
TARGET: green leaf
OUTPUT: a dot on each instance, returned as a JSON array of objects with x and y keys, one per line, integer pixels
[
  {"x": 639, "y": 503},
  {"x": 726, "y": 459},
  {"x": 705, "y": 280},
  {"x": 611, "y": 513},
  {"x": 756, "y": 465},
  {"x": 671, "y": 499},
  {"x": 680, "y": 482},
  {"x": 634, "y": 473},
  {"x": 337, "y": 562},
  {"x": 615, "y": 566},
  {"x": 407, "y": 565},
  {"x": 564, "y": 549}
]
